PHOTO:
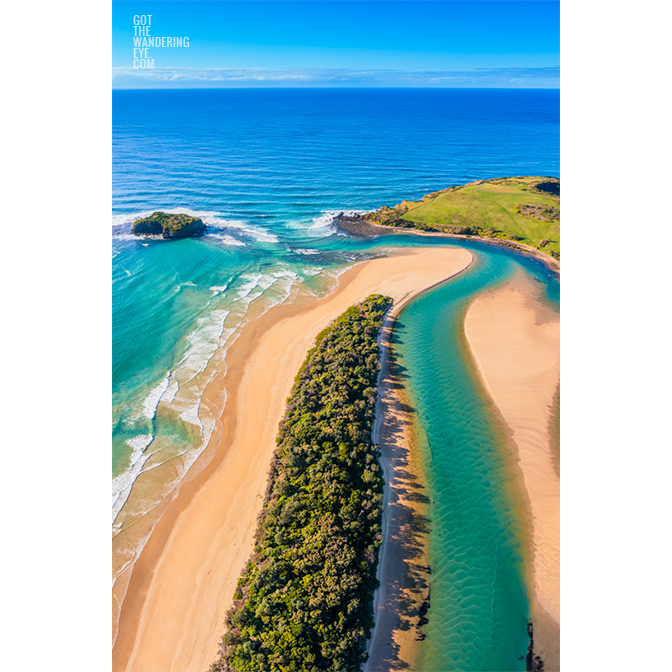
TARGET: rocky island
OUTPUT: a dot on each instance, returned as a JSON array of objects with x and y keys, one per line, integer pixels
[{"x": 169, "y": 226}]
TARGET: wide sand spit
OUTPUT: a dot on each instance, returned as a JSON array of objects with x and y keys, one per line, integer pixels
[
  {"x": 183, "y": 582},
  {"x": 514, "y": 337}
]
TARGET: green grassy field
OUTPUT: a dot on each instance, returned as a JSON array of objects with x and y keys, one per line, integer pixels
[{"x": 498, "y": 208}]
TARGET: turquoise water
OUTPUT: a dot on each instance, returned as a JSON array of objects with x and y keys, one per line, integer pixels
[
  {"x": 267, "y": 170},
  {"x": 479, "y": 599}
]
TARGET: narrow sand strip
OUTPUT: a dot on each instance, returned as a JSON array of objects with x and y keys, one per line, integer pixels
[
  {"x": 183, "y": 583},
  {"x": 515, "y": 342},
  {"x": 402, "y": 564}
]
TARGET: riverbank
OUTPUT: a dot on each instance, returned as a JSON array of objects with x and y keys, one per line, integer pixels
[
  {"x": 360, "y": 227},
  {"x": 403, "y": 569},
  {"x": 514, "y": 338},
  {"x": 183, "y": 582}
]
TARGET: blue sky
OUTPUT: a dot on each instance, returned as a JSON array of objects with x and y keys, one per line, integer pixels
[{"x": 343, "y": 43}]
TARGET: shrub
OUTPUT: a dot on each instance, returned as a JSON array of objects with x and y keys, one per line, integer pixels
[{"x": 309, "y": 587}]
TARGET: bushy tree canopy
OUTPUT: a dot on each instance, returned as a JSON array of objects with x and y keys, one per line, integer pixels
[{"x": 305, "y": 600}]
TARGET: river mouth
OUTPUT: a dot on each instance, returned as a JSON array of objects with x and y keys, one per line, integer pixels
[{"x": 478, "y": 513}]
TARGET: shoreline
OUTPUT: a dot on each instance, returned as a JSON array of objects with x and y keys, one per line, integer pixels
[
  {"x": 183, "y": 582},
  {"x": 514, "y": 340},
  {"x": 366, "y": 229},
  {"x": 402, "y": 561}
]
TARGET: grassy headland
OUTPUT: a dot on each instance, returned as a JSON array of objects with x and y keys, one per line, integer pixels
[
  {"x": 525, "y": 210},
  {"x": 305, "y": 601}
]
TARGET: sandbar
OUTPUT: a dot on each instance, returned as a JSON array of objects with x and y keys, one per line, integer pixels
[
  {"x": 403, "y": 561},
  {"x": 514, "y": 337},
  {"x": 183, "y": 582}
]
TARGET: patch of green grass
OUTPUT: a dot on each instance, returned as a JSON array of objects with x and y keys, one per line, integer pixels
[{"x": 487, "y": 208}]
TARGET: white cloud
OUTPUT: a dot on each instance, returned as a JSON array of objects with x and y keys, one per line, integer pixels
[{"x": 213, "y": 77}]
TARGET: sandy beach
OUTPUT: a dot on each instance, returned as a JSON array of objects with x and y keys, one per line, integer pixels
[
  {"x": 366, "y": 229},
  {"x": 183, "y": 583},
  {"x": 402, "y": 565},
  {"x": 515, "y": 342}
]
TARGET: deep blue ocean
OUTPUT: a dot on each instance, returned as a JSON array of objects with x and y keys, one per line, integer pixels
[{"x": 267, "y": 169}]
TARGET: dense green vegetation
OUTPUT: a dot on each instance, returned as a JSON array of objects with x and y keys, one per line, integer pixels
[
  {"x": 305, "y": 601},
  {"x": 169, "y": 225},
  {"x": 522, "y": 209}
]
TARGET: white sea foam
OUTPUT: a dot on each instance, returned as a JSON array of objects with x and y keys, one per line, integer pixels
[
  {"x": 219, "y": 227},
  {"x": 284, "y": 273},
  {"x": 252, "y": 281},
  {"x": 182, "y": 388},
  {"x": 336, "y": 274},
  {"x": 203, "y": 343},
  {"x": 323, "y": 225},
  {"x": 226, "y": 239},
  {"x": 152, "y": 401},
  {"x": 139, "y": 443},
  {"x": 325, "y": 220},
  {"x": 123, "y": 483},
  {"x": 301, "y": 250},
  {"x": 256, "y": 232},
  {"x": 190, "y": 414},
  {"x": 127, "y": 220},
  {"x": 171, "y": 391},
  {"x": 279, "y": 282}
]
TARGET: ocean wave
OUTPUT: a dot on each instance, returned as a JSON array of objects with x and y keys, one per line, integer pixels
[
  {"x": 285, "y": 273},
  {"x": 150, "y": 404},
  {"x": 224, "y": 238},
  {"x": 301, "y": 250},
  {"x": 190, "y": 415},
  {"x": 257, "y": 232},
  {"x": 323, "y": 225},
  {"x": 123, "y": 483},
  {"x": 172, "y": 389},
  {"x": 219, "y": 227},
  {"x": 203, "y": 343},
  {"x": 252, "y": 282},
  {"x": 257, "y": 285},
  {"x": 127, "y": 220},
  {"x": 139, "y": 443},
  {"x": 180, "y": 391}
]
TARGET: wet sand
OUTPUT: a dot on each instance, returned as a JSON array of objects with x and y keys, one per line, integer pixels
[
  {"x": 183, "y": 583},
  {"x": 515, "y": 341},
  {"x": 403, "y": 562}
]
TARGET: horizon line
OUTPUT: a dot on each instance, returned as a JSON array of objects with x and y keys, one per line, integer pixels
[{"x": 294, "y": 88}]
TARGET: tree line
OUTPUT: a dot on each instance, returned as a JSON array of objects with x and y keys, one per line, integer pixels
[{"x": 305, "y": 600}]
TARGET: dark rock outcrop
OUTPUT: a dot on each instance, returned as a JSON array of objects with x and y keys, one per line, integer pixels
[
  {"x": 358, "y": 226},
  {"x": 169, "y": 226}
]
